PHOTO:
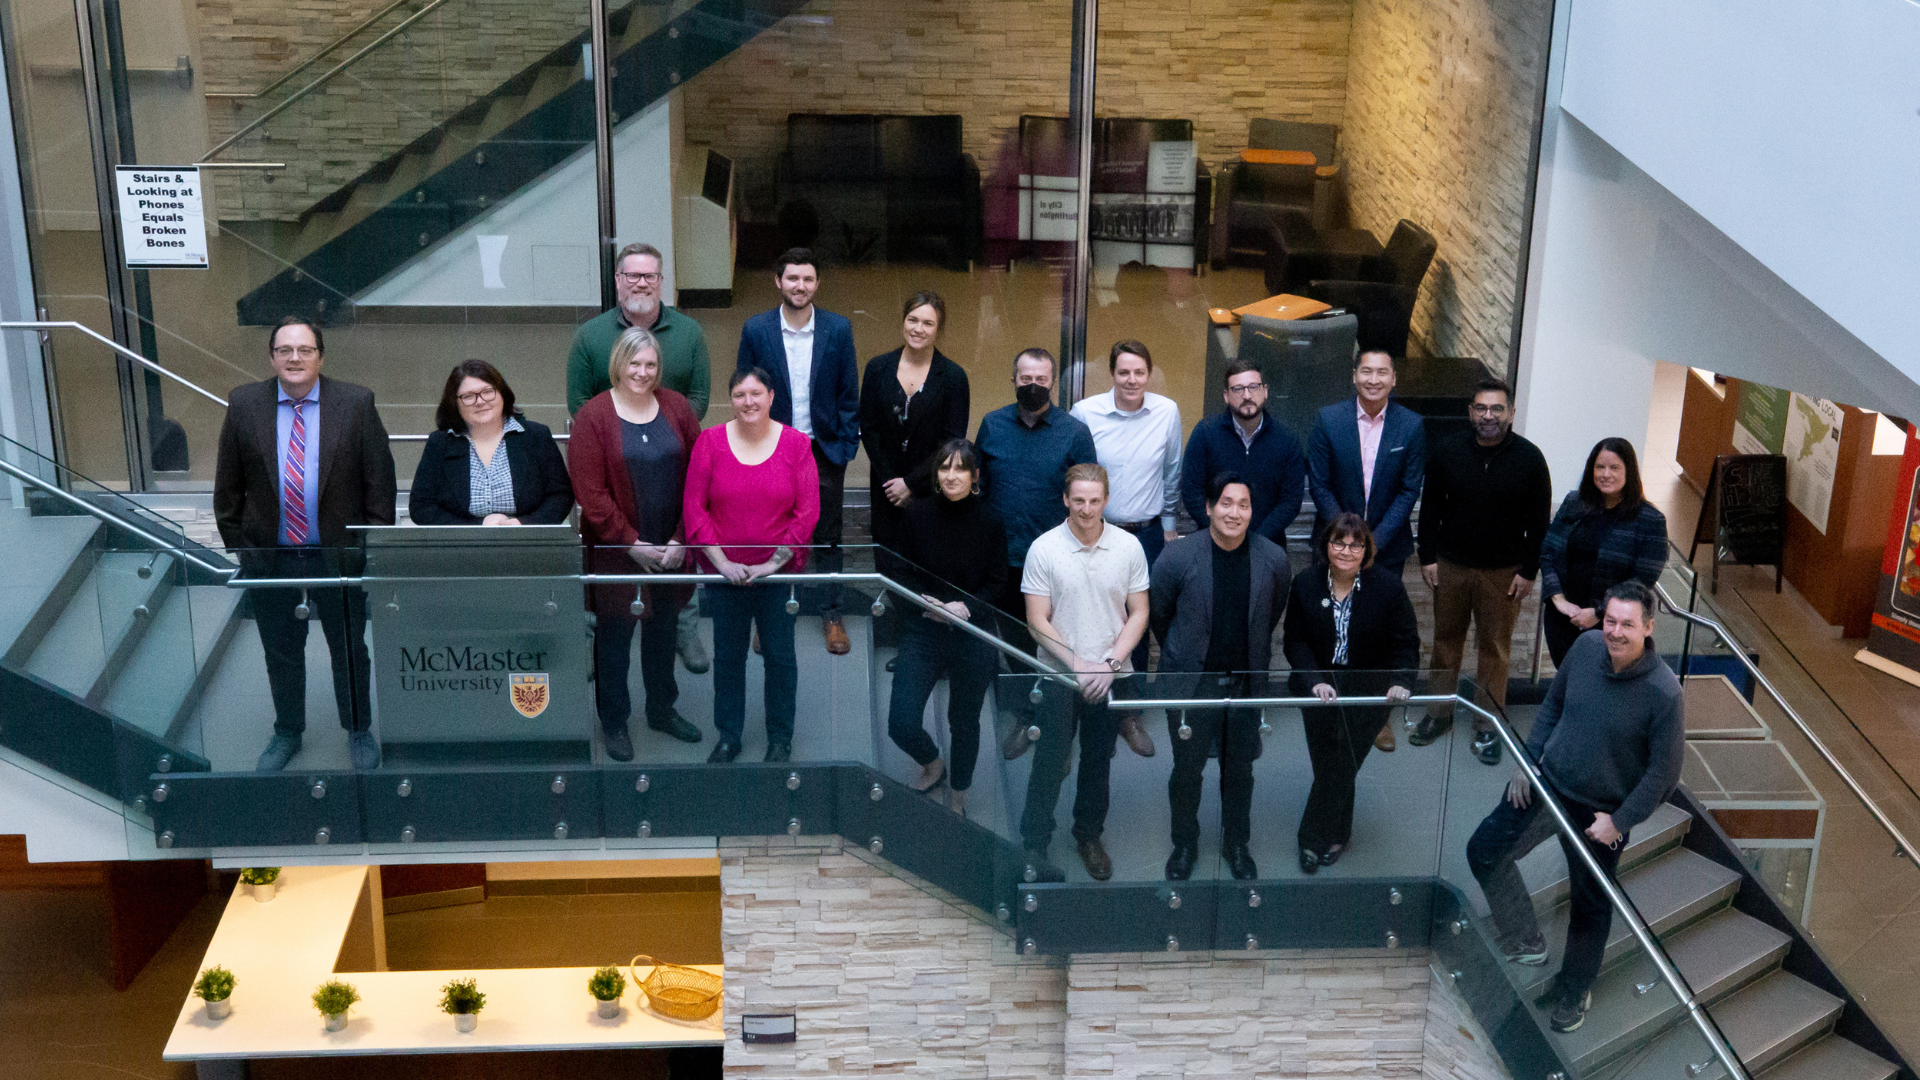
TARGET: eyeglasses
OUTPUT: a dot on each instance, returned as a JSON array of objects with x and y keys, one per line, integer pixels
[
  {"x": 287, "y": 352},
  {"x": 1487, "y": 410},
  {"x": 1347, "y": 545},
  {"x": 478, "y": 396},
  {"x": 639, "y": 279},
  {"x": 1245, "y": 390}
]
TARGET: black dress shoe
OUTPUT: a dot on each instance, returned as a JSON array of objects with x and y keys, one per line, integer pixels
[
  {"x": 1042, "y": 867},
  {"x": 1240, "y": 861},
  {"x": 1486, "y": 747},
  {"x": 723, "y": 752},
  {"x": 779, "y": 752},
  {"x": 1428, "y": 729},
  {"x": 1309, "y": 862},
  {"x": 676, "y": 726},
  {"x": 1180, "y": 863},
  {"x": 1332, "y": 856},
  {"x": 619, "y": 744}
]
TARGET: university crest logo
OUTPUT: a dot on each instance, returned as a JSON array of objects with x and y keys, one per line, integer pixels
[{"x": 529, "y": 692}]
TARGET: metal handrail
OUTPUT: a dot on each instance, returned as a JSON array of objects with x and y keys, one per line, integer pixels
[
  {"x": 84, "y": 506},
  {"x": 1819, "y": 745},
  {"x": 315, "y": 58},
  {"x": 116, "y": 347},
  {"x": 151, "y": 366},
  {"x": 315, "y": 84}
]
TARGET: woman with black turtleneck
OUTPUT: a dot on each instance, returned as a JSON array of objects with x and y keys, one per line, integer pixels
[{"x": 956, "y": 546}]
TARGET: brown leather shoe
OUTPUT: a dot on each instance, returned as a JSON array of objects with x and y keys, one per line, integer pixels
[
  {"x": 1099, "y": 866},
  {"x": 836, "y": 635},
  {"x": 1136, "y": 736},
  {"x": 1383, "y": 742}
]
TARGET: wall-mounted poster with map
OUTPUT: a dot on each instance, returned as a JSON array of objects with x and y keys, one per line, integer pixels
[{"x": 1812, "y": 449}]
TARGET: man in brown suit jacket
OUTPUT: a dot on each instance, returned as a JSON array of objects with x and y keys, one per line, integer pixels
[{"x": 301, "y": 458}]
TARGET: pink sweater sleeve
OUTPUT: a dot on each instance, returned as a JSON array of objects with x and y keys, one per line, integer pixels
[
  {"x": 806, "y": 489},
  {"x": 695, "y": 517}
]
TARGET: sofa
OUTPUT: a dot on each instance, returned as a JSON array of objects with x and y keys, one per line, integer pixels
[{"x": 872, "y": 187}]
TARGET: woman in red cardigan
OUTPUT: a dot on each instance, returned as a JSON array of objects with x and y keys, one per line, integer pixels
[
  {"x": 753, "y": 496},
  {"x": 628, "y": 461}
]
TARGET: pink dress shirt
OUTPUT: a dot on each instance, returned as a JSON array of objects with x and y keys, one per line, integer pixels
[
  {"x": 1371, "y": 428},
  {"x": 760, "y": 507}
]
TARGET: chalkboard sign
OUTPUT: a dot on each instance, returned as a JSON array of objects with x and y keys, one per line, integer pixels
[{"x": 1744, "y": 518}]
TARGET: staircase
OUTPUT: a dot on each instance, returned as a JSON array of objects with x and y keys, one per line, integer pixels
[
  {"x": 1780, "y": 1025},
  {"x": 494, "y": 146}
]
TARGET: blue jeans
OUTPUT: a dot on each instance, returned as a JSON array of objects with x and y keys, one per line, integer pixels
[
  {"x": 927, "y": 652},
  {"x": 1508, "y": 833},
  {"x": 736, "y": 610}
]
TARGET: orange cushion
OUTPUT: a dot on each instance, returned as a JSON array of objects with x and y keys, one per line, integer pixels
[
  {"x": 1285, "y": 306},
  {"x": 1278, "y": 157}
]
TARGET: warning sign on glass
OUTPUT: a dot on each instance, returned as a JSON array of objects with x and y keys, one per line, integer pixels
[{"x": 161, "y": 223}]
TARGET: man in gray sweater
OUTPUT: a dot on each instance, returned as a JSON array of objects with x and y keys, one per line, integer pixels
[{"x": 1609, "y": 740}]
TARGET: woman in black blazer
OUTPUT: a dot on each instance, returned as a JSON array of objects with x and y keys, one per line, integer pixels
[
  {"x": 912, "y": 401},
  {"x": 1349, "y": 629},
  {"x": 487, "y": 465}
]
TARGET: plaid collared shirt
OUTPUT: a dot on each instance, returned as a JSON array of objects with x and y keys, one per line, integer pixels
[{"x": 490, "y": 483}]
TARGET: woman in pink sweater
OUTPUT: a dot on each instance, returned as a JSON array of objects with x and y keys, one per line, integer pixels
[{"x": 753, "y": 496}]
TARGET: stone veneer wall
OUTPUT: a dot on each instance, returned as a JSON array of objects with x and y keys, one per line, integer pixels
[
  {"x": 1441, "y": 106},
  {"x": 1214, "y": 62},
  {"x": 397, "y": 93},
  {"x": 888, "y": 975}
]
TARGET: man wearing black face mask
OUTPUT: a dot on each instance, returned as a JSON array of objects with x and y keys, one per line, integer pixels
[{"x": 1025, "y": 451}]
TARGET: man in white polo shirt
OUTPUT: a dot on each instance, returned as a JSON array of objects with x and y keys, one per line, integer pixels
[
  {"x": 1136, "y": 435},
  {"x": 1086, "y": 589}
]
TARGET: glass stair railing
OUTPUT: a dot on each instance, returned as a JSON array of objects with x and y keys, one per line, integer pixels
[{"x": 1706, "y": 972}]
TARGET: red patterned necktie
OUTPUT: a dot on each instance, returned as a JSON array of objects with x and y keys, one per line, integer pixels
[{"x": 293, "y": 485}]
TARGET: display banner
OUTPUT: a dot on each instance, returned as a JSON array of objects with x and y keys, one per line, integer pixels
[
  {"x": 1893, "y": 642},
  {"x": 1760, "y": 422}
]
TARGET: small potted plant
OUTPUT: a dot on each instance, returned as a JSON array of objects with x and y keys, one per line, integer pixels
[
  {"x": 463, "y": 1000},
  {"x": 333, "y": 999},
  {"x": 606, "y": 985},
  {"x": 260, "y": 881},
  {"x": 215, "y": 987}
]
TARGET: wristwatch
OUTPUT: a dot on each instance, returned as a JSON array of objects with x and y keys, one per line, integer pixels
[{"x": 1112, "y": 664}]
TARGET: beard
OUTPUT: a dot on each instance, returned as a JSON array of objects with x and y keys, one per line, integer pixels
[{"x": 640, "y": 307}]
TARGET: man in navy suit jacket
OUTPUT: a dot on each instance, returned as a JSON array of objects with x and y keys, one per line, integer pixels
[
  {"x": 808, "y": 353},
  {"x": 1368, "y": 456}
]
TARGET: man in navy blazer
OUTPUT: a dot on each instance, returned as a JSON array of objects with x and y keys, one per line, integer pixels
[
  {"x": 1368, "y": 456},
  {"x": 808, "y": 353}
]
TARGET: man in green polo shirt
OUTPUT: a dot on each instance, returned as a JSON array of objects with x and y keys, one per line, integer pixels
[
  {"x": 683, "y": 346},
  {"x": 683, "y": 367}
]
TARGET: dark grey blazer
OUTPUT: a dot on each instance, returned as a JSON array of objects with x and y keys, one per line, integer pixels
[{"x": 1180, "y": 603}]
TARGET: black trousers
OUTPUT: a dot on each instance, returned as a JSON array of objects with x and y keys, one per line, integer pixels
[
  {"x": 1559, "y": 631},
  {"x": 1010, "y": 608},
  {"x": 283, "y": 637},
  {"x": 826, "y": 557},
  {"x": 929, "y": 651},
  {"x": 1238, "y": 732},
  {"x": 1062, "y": 715},
  {"x": 1338, "y": 740},
  {"x": 613, "y": 661}
]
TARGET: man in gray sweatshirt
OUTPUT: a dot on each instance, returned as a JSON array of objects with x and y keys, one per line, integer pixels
[{"x": 1608, "y": 741}]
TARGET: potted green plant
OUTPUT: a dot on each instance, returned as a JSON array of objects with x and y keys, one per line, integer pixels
[
  {"x": 606, "y": 985},
  {"x": 260, "y": 881},
  {"x": 463, "y": 1000},
  {"x": 215, "y": 987},
  {"x": 333, "y": 999}
]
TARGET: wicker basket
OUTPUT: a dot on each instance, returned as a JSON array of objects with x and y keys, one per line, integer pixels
[{"x": 676, "y": 991}]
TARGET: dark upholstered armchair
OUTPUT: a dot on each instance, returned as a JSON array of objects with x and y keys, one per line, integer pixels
[
  {"x": 871, "y": 187},
  {"x": 1386, "y": 289},
  {"x": 1256, "y": 198}
]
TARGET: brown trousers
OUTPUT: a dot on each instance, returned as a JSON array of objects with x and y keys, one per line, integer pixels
[{"x": 1479, "y": 596}]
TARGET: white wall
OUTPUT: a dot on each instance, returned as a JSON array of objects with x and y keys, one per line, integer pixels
[
  {"x": 1790, "y": 126},
  {"x": 24, "y": 416},
  {"x": 548, "y": 255}
]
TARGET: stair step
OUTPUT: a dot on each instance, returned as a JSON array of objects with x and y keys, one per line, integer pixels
[
  {"x": 1715, "y": 957},
  {"x": 505, "y": 110},
  {"x": 1545, "y": 868},
  {"x": 552, "y": 79},
  {"x": 1774, "y": 1017},
  {"x": 316, "y": 231},
  {"x": 163, "y": 677},
  {"x": 1833, "y": 1058},
  {"x": 44, "y": 567},
  {"x": 101, "y": 620},
  {"x": 1670, "y": 892},
  {"x": 459, "y": 141}
]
